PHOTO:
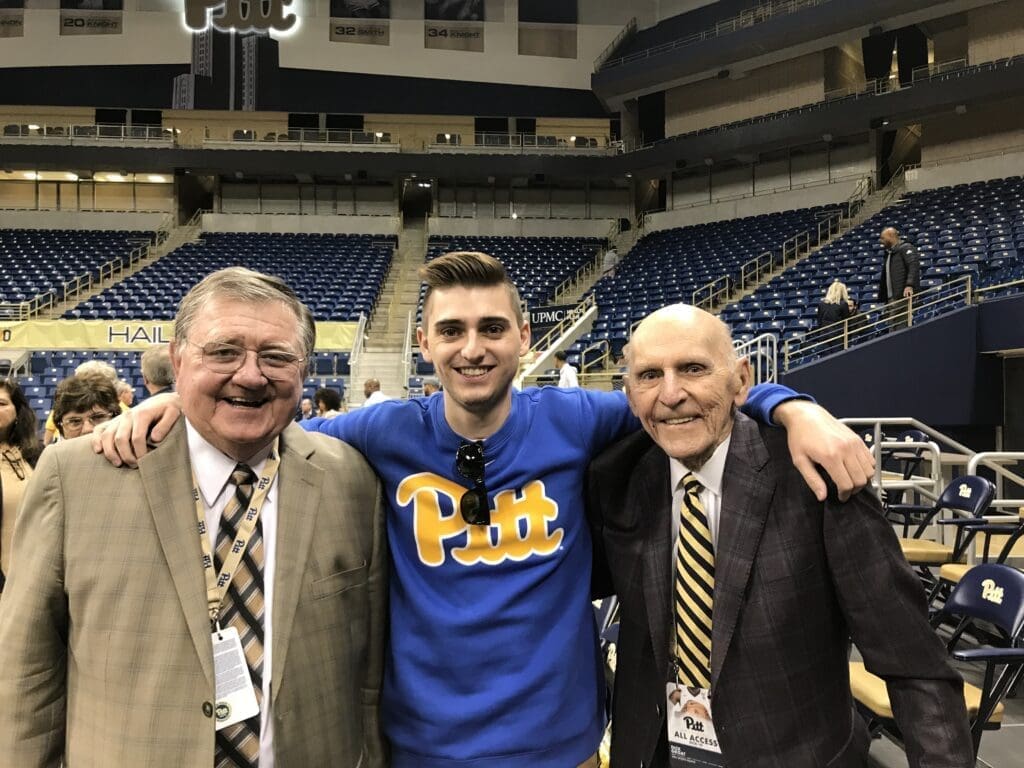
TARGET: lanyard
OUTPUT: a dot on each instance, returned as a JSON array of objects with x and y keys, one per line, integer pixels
[{"x": 217, "y": 583}]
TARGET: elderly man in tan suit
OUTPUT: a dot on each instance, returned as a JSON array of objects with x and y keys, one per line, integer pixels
[{"x": 222, "y": 607}]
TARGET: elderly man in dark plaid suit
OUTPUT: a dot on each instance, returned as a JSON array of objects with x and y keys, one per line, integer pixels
[{"x": 740, "y": 591}]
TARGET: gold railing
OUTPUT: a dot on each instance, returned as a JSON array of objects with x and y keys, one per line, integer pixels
[
  {"x": 545, "y": 341},
  {"x": 901, "y": 313}
]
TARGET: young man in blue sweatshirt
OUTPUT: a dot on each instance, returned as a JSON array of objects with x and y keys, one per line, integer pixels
[{"x": 492, "y": 659}]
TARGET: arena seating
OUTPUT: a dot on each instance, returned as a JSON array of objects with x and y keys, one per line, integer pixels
[
  {"x": 970, "y": 229},
  {"x": 666, "y": 267},
  {"x": 338, "y": 276},
  {"x": 50, "y": 367},
  {"x": 537, "y": 265},
  {"x": 35, "y": 262}
]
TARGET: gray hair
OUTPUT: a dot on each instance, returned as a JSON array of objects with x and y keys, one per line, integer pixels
[
  {"x": 245, "y": 285},
  {"x": 123, "y": 386},
  {"x": 156, "y": 366},
  {"x": 98, "y": 368}
]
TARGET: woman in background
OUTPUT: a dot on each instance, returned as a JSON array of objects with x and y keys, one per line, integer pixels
[
  {"x": 19, "y": 451},
  {"x": 836, "y": 305}
]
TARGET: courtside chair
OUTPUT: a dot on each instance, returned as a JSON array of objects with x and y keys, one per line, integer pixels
[
  {"x": 969, "y": 496},
  {"x": 989, "y": 593}
]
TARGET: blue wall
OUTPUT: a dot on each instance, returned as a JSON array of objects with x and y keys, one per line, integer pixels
[{"x": 933, "y": 372}]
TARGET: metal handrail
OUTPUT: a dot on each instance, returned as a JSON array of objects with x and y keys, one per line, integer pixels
[
  {"x": 558, "y": 330},
  {"x": 609, "y": 49},
  {"x": 584, "y": 270},
  {"x": 842, "y": 334},
  {"x": 763, "y": 349},
  {"x": 603, "y": 359},
  {"x": 359, "y": 344},
  {"x": 938, "y": 438},
  {"x": 709, "y": 296},
  {"x": 991, "y": 459},
  {"x": 979, "y": 291},
  {"x": 75, "y": 133}
]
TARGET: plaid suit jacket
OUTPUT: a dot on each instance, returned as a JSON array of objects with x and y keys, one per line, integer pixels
[
  {"x": 794, "y": 580},
  {"x": 105, "y": 651}
]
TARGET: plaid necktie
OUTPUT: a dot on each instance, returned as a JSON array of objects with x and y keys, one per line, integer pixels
[
  {"x": 694, "y": 589},
  {"x": 238, "y": 745}
]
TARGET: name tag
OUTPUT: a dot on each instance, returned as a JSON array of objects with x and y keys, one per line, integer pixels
[
  {"x": 233, "y": 692},
  {"x": 691, "y": 730}
]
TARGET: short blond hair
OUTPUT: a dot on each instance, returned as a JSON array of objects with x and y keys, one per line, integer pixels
[{"x": 837, "y": 294}]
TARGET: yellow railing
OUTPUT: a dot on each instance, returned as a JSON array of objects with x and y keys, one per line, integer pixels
[{"x": 892, "y": 316}]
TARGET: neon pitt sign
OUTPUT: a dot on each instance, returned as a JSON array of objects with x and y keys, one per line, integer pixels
[{"x": 239, "y": 15}]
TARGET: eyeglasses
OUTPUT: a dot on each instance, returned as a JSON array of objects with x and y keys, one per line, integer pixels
[
  {"x": 220, "y": 357},
  {"x": 94, "y": 418},
  {"x": 469, "y": 461}
]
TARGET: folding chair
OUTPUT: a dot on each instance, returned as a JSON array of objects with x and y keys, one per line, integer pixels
[
  {"x": 969, "y": 495},
  {"x": 990, "y": 593},
  {"x": 951, "y": 574}
]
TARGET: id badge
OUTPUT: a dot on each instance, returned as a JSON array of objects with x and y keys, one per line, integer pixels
[
  {"x": 691, "y": 731},
  {"x": 233, "y": 692}
]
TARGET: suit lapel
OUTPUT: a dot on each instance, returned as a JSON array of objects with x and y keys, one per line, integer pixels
[
  {"x": 166, "y": 479},
  {"x": 655, "y": 515},
  {"x": 747, "y": 488},
  {"x": 300, "y": 483}
]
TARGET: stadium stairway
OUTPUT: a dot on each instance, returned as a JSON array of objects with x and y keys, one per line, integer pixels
[
  {"x": 176, "y": 236},
  {"x": 385, "y": 340}
]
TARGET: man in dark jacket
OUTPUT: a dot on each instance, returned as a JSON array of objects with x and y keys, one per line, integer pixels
[{"x": 901, "y": 275}]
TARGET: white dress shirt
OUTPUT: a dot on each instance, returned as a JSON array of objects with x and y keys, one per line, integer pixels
[
  {"x": 710, "y": 478},
  {"x": 212, "y": 471}
]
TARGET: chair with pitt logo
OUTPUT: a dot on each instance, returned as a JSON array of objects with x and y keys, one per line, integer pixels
[
  {"x": 968, "y": 497},
  {"x": 989, "y": 593}
]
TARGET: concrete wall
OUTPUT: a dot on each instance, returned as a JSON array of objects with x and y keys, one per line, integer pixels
[
  {"x": 826, "y": 194},
  {"x": 999, "y": 166},
  {"x": 85, "y": 195},
  {"x": 844, "y": 67},
  {"x": 536, "y": 202},
  {"x": 341, "y": 225},
  {"x": 981, "y": 130},
  {"x": 521, "y": 227},
  {"x": 307, "y": 199},
  {"x": 78, "y": 220},
  {"x": 995, "y": 31},
  {"x": 768, "y": 89}
]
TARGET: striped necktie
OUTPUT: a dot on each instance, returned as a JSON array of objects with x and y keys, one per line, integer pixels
[
  {"x": 694, "y": 589},
  {"x": 238, "y": 745}
]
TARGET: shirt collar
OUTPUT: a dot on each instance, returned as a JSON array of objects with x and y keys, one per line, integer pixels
[
  {"x": 212, "y": 469},
  {"x": 710, "y": 475}
]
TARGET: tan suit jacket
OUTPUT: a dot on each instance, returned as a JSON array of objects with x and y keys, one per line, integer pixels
[{"x": 105, "y": 652}]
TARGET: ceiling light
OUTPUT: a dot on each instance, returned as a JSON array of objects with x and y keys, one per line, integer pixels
[
  {"x": 572, "y": 138},
  {"x": 515, "y": 215},
  {"x": 71, "y": 176},
  {"x": 379, "y": 134},
  {"x": 156, "y": 179},
  {"x": 33, "y": 127},
  {"x": 31, "y": 175},
  {"x": 447, "y": 137}
]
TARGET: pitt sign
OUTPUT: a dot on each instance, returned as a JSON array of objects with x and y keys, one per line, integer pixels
[{"x": 240, "y": 15}]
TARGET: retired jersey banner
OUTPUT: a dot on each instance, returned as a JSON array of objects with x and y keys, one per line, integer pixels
[
  {"x": 12, "y": 22},
  {"x": 91, "y": 17},
  {"x": 129, "y": 334},
  {"x": 361, "y": 21},
  {"x": 454, "y": 25}
]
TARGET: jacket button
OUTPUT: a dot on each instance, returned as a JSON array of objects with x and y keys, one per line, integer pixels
[{"x": 208, "y": 709}]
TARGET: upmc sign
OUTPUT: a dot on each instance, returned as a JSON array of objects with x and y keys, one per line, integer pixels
[{"x": 239, "y": 15}]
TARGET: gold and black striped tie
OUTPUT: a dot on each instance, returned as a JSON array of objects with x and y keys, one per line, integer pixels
[
  {"x": 238, "y": 745},
  {"x": 694, "y": 589}
]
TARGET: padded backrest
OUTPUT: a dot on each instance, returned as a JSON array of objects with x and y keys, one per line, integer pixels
[
  {"x": 970, "y": 494},
  {"x": 992, "y": 593}
]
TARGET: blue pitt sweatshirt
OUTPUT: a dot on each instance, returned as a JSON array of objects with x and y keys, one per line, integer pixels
[{"x": 493, "y": 659}]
